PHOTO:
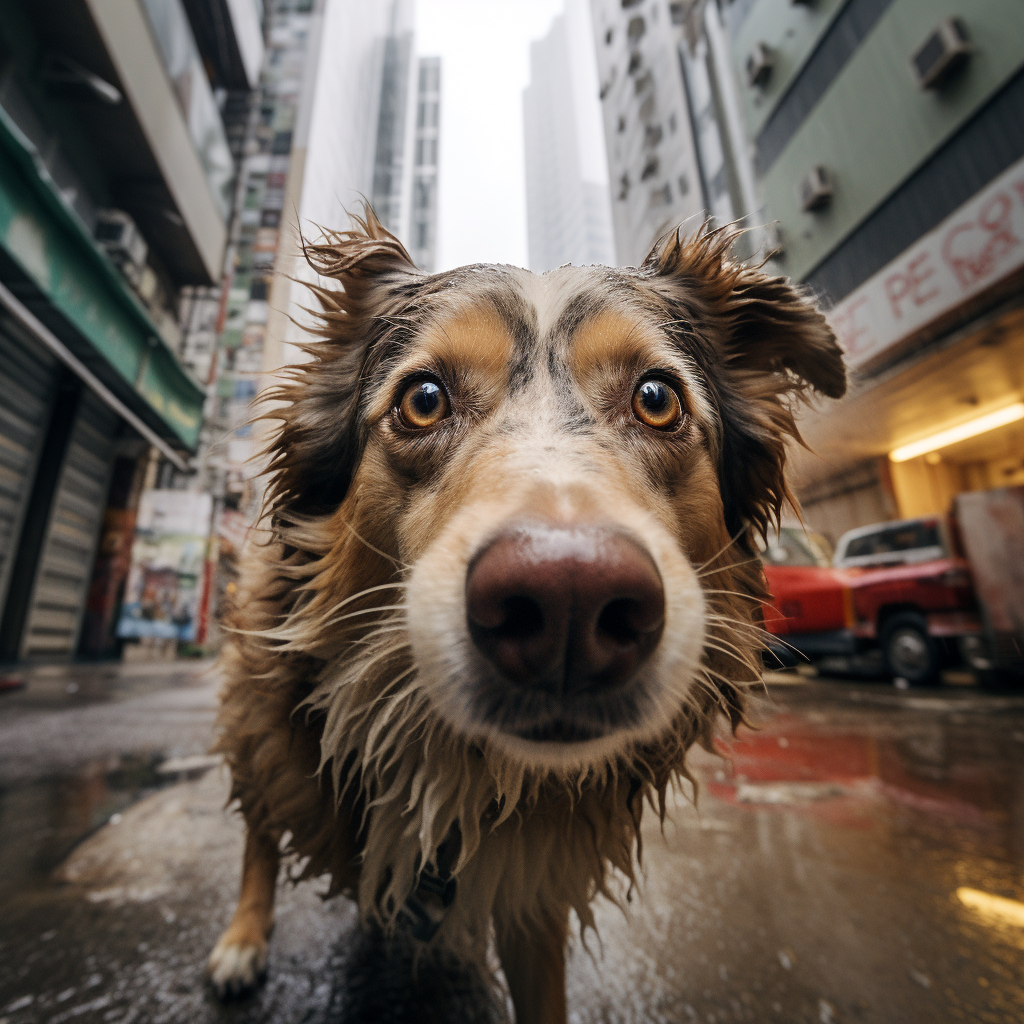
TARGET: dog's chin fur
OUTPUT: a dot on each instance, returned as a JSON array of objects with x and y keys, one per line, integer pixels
[{"x": 355, "y": 717}]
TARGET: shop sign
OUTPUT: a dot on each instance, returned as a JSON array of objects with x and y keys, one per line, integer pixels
[
  {"x": 973, "y": 248},
  {"x": 164, "y": 584}
]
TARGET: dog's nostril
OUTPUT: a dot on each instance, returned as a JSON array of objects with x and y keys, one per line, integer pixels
[
  {"x": 523, "y": 618},
  {"x": 618, "y": 620}
]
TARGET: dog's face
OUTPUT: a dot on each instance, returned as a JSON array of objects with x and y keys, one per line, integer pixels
[{"x": 562, "y": 465}]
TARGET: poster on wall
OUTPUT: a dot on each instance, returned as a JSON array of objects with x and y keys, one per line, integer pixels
[{"x": 165, "y": 581}]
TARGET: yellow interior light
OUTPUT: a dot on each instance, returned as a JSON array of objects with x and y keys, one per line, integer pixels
[
  {"x": 996, "y": 907},
  {"x": 962, "y": 431}
]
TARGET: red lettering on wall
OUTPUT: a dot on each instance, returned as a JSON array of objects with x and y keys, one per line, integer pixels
[
  {"x": 908, "y": 283},
  {"x": 856, "y": 338},
  {"x": 973, "y": 250}
]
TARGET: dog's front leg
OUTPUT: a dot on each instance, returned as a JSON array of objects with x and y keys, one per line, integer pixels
[
  {"x": 239, "y": 959},
  {"x": 533, "y": 958}
]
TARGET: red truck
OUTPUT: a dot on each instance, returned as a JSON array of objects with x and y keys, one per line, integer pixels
[{"x": 902, "y": 591}]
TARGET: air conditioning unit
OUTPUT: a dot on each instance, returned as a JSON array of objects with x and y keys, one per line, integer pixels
[
  {"x": 759, "y": 66},
  {"x": 774, "y": 241},
  {"x": 815, "y": 190},
  {"x": 122, "y": 241},
  {"x": 942, "y": 53}
]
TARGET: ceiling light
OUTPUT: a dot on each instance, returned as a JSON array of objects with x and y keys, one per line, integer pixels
[
  {"x": 998, "y": 907},
  {"x": 980, "y": 425}
]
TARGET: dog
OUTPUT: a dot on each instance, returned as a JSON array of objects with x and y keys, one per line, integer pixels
[{"x": 509, "y": 579}]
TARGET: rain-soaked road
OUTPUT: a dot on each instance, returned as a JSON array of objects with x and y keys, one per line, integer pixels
[{"x": 842, "y": 867}]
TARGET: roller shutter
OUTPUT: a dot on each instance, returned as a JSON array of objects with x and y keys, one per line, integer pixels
[
  {"x": 28, "y": 375},
  {"x": 65, "y": 565}
]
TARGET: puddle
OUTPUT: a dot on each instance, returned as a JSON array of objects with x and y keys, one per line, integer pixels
[{"x": 43, "y": 820}]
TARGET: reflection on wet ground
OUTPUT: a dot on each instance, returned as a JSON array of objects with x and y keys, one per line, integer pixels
[{"x": 860, "y": 857}]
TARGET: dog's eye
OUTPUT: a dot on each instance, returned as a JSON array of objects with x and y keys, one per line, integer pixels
[
  {"x": 657, "y": 405},
  {"x": 423, "y": 404}
]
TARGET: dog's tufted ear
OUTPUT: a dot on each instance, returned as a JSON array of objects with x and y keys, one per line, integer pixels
[
  {"x": 313, "y": 454},
  {"x": 764, "y": 345}
]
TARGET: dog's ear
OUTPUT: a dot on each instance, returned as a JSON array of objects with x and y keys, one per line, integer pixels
[
  {"x": 765, "y": 345},
  {"x": 315, "y": 450}
]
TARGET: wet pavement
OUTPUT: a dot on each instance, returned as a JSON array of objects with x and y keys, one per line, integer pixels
[{"x": 859, "y": 858}]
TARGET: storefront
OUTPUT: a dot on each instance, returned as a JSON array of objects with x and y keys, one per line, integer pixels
[
  {"x": 87, "y": 388},
  {"x": 935, "y": 342}
]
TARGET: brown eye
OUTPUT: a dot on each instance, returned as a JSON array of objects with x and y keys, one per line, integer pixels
[
  {"x": 423, "y": 404},
  {"x": 657, "y": 405}
]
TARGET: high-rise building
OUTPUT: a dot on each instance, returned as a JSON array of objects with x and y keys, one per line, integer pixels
[
  {"x": 422, "y": 242},
  {"x": 673, "y": 124},
  {"x": 332, "y": 127},
  {"x": 117, "y": 178},
  {"x": 568, "y": 217},
  {"x": 889, "y": 142}
]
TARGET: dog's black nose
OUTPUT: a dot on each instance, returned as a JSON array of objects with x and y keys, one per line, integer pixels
[{"x": 565, "y": 608}]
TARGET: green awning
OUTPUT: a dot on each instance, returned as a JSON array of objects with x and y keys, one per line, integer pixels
[{"x": 49, "y": 243}]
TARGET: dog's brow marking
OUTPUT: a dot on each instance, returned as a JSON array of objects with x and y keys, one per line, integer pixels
[
  {"x": 578, "y": 309},
  {"x": 473, "y": 337},
  {"x": 520, "y": 318}
]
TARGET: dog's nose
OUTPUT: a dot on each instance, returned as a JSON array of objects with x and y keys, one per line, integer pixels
[{"x": 568, "y": 609}]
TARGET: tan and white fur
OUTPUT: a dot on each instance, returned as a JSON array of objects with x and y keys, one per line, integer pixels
[{"x": 367, "y": 736}]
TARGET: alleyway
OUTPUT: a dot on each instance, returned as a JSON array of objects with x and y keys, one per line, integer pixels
[{"x": 823, "y": 880}]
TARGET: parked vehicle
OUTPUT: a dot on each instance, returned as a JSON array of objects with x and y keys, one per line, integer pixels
[
  {"x": 909, "y": 595},
  {"x": 812, "y": 612},
  {"x": 904, "y": 542},
  {"x": 991, "y": 527}
]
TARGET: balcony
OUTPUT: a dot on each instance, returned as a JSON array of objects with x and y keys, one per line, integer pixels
[{"x": 161, "y": 145}]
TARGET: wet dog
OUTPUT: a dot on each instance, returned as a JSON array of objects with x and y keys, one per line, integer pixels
[{"x": 509, "y": 581}]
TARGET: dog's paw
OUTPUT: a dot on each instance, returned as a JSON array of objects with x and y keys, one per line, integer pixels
[{"x": 237, "y": 967}]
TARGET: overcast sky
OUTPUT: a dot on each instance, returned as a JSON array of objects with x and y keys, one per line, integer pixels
[{"x": 484, "y": 47}]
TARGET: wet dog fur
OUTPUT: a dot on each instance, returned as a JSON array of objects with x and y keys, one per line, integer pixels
[{"x": 366, "y": 737}]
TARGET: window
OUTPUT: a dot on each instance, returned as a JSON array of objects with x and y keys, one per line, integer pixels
[
  {"x": 652, "y": 135},
  {"x": 607, "y": 84},
  {"x": 636, "y": 58},
  {"x": 684, "y": 185},
  {"x": 626, "y": 4},
  {"x": 624, "y": 186},
  {"x": 650, "y": 168},
  {"x": 422, "y": 234},
  {"x": 677, "y": 12},
  {"x": 622, "y": 123},
  {"x": 424, "y": 194},
  {"x": 636, "y": 28},
  {"x": 644, "y": 81},
  {"x": 661, "y": 196},
  {"x": 421, "y": 115},
  {"x": 608, "y": 37},
  {"x": 430, "y": 77},
  {"x": 672, "y": 122},
  {"x": 893, "y": 540}
]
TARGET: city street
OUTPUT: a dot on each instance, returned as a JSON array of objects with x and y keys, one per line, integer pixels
[{"x": 831, "y": 872}]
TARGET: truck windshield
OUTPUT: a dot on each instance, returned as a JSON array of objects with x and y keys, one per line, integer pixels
[
  {"x": 794, "y": 547},
  {"x": 895, "y": 539}
]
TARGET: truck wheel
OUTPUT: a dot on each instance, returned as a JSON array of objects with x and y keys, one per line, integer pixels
[{"x": 909, "y": 651}]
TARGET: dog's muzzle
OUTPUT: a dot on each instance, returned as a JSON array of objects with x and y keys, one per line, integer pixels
[{"x": 566, "y": 616}]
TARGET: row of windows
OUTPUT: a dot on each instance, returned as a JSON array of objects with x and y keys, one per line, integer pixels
[
  {"x": 430, "y": 77},
  {"x": 426, "y": 152},
  {"x": 427, "y": 114}
]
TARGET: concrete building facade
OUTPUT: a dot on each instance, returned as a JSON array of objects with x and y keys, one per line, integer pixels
[
  {"x": 422, "y": 242},
  {"x": 653, "y": 173},
  {"x": 889, "y": 141},
  {"x": 568, "y": 216},
  {"x": 117, "y": 122}
]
